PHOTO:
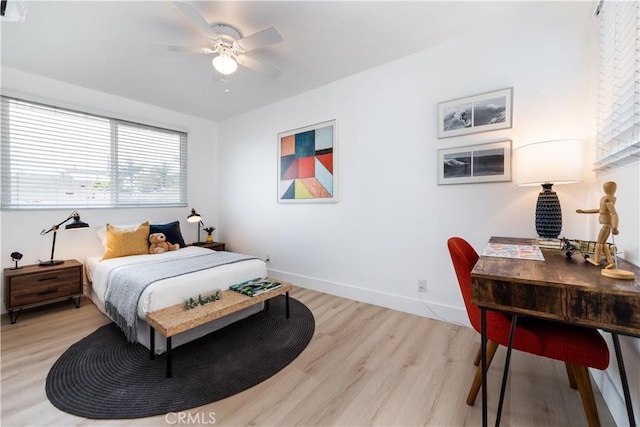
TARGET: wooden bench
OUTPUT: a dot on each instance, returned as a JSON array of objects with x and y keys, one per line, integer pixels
[{"x": 173, "y": 320}]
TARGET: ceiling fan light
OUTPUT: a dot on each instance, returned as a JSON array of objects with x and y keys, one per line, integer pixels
[{"x": 225, "y": 64}]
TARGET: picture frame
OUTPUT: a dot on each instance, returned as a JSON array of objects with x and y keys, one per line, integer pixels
[
  {"x": 479, "y": 113},
  {"x": 489, "y": 162},
  {"x": 308, "y": 164}
]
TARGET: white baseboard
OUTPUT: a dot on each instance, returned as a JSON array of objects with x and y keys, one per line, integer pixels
[
  {"x": 610, "y": 385},
  {"x": 611, "y": 394},
  {"x": 417, "y": 306}
]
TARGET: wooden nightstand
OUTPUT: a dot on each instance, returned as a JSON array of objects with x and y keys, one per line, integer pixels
[
  {"x": 34, "y": 285},
  {"x": 216, "y": 246}
]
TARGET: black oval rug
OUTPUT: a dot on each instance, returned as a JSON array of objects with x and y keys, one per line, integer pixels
[{"x": 103, "y": 376}]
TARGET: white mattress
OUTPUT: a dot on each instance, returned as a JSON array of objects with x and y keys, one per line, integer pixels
[{"x": 167, "y": 292}]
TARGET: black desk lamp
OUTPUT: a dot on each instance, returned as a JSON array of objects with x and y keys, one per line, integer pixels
[
  {"x": 195, "y": 217},
  {"x": 76, "y": 224}
]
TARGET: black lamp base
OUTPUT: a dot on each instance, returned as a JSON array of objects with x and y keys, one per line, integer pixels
[
  {"x": 548, "y": 213},
  {"x": 50, "y": 262}
]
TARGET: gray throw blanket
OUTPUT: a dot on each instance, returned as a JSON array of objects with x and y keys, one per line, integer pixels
[{"x": 126, "y": 284}]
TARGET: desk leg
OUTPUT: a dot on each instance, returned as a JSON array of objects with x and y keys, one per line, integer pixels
[
  {"x": 483, "y": 346},
  {"x": 623, "y": 378},
  {"x": 505, "y": 374},
  {"x": 152, "y": 343},
  {"x": 168, "y": 357}
]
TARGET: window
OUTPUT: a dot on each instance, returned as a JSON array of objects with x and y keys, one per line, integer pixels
[
  {"x": 619, "y": 84},
  {"x": 57, "y": 158}
]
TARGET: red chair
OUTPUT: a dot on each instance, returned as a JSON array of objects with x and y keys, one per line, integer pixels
[{"x": 580, "y": 348}]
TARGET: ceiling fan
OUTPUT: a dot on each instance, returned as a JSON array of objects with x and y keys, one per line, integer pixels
[{"x": 226, "y": 43}]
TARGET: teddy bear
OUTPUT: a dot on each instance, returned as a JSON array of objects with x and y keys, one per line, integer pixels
[{"x": 159, "y": 244}]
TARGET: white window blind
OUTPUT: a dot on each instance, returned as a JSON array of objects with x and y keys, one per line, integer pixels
[
  {"x": 57, "y": 158},
  {"x": 619, "y": 84}
]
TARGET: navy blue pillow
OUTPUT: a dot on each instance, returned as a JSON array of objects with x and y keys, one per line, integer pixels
[{"x": 171, "y": 231}]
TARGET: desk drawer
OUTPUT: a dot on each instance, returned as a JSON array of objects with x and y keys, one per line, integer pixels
[
  {"x": 544, "y": 301},
  {"x": 605, "y": 309}
]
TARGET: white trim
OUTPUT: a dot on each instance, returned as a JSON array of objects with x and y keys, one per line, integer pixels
[{"x": 417, "y": 306}]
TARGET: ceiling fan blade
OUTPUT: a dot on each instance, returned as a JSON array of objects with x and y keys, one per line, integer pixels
[
  {"x": 191, "y": 49},
  {"x": 258, "y": 67},
  {"x": 194, "y": 16},
  {"x": 258, "y": 40}
]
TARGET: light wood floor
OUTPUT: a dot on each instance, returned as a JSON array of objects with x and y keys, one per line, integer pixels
[{"x": 365, "y": 365}]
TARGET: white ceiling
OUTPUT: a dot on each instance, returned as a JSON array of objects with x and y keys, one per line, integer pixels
[{"x": 120, "y": 47}]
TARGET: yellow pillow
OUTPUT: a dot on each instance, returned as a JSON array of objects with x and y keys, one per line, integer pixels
[{"x": 124, "y": 242}]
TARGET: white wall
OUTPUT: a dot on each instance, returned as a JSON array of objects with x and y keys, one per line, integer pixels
[
  {"x": 392, "y": 222},
  {"x": 21, "y": 229}
]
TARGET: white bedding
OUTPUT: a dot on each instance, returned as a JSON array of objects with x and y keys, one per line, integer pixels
[{"x": 167, "y": 292}]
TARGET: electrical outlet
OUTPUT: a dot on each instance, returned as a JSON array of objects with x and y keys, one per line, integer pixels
[
  {"x": 267, "y": 259},
  {"x": 422, "y": 285}
]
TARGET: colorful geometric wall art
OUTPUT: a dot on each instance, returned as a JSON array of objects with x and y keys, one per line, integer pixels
[{"x": 307, "y": 164}]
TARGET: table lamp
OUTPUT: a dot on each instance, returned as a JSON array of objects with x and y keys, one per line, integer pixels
[
  {"x": 16, "y": 256},
  {"x": 547, "y": 163},
  {"x": 195, "y": 217},
  {"x": 74, "y": 225}
]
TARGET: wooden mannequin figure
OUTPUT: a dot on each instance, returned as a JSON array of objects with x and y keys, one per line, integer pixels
[{"x": 609, "y": 220}]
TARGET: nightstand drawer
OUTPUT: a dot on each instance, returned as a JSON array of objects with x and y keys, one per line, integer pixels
[
  {"x": 34, "y": 288},
  {"x": 35, "y": 285}
]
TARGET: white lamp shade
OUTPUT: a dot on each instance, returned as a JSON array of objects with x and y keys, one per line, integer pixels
[
  {"x": 225, "y": 64},
  {"x": 556, "y": 162}
]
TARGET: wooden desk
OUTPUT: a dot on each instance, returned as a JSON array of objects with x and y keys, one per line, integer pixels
[{"x": 561, "y": 289}]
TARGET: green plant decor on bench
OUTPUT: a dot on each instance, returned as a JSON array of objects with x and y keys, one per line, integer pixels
[{"x": 191, "y": 303}]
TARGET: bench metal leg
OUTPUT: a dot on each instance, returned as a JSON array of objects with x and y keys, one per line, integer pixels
[
  {"x": 287, "y": 305},
  {"x": 168, "y": 357},
  {"x": 152, "y": 343}
]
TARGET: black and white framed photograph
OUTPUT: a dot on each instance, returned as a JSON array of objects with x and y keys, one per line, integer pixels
[
  {"x": 489, "y": 162},
  {"x": 479, "y": 113}
]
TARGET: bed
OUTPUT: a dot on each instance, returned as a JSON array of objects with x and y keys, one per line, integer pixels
[{"x": 171, "y": 291}]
